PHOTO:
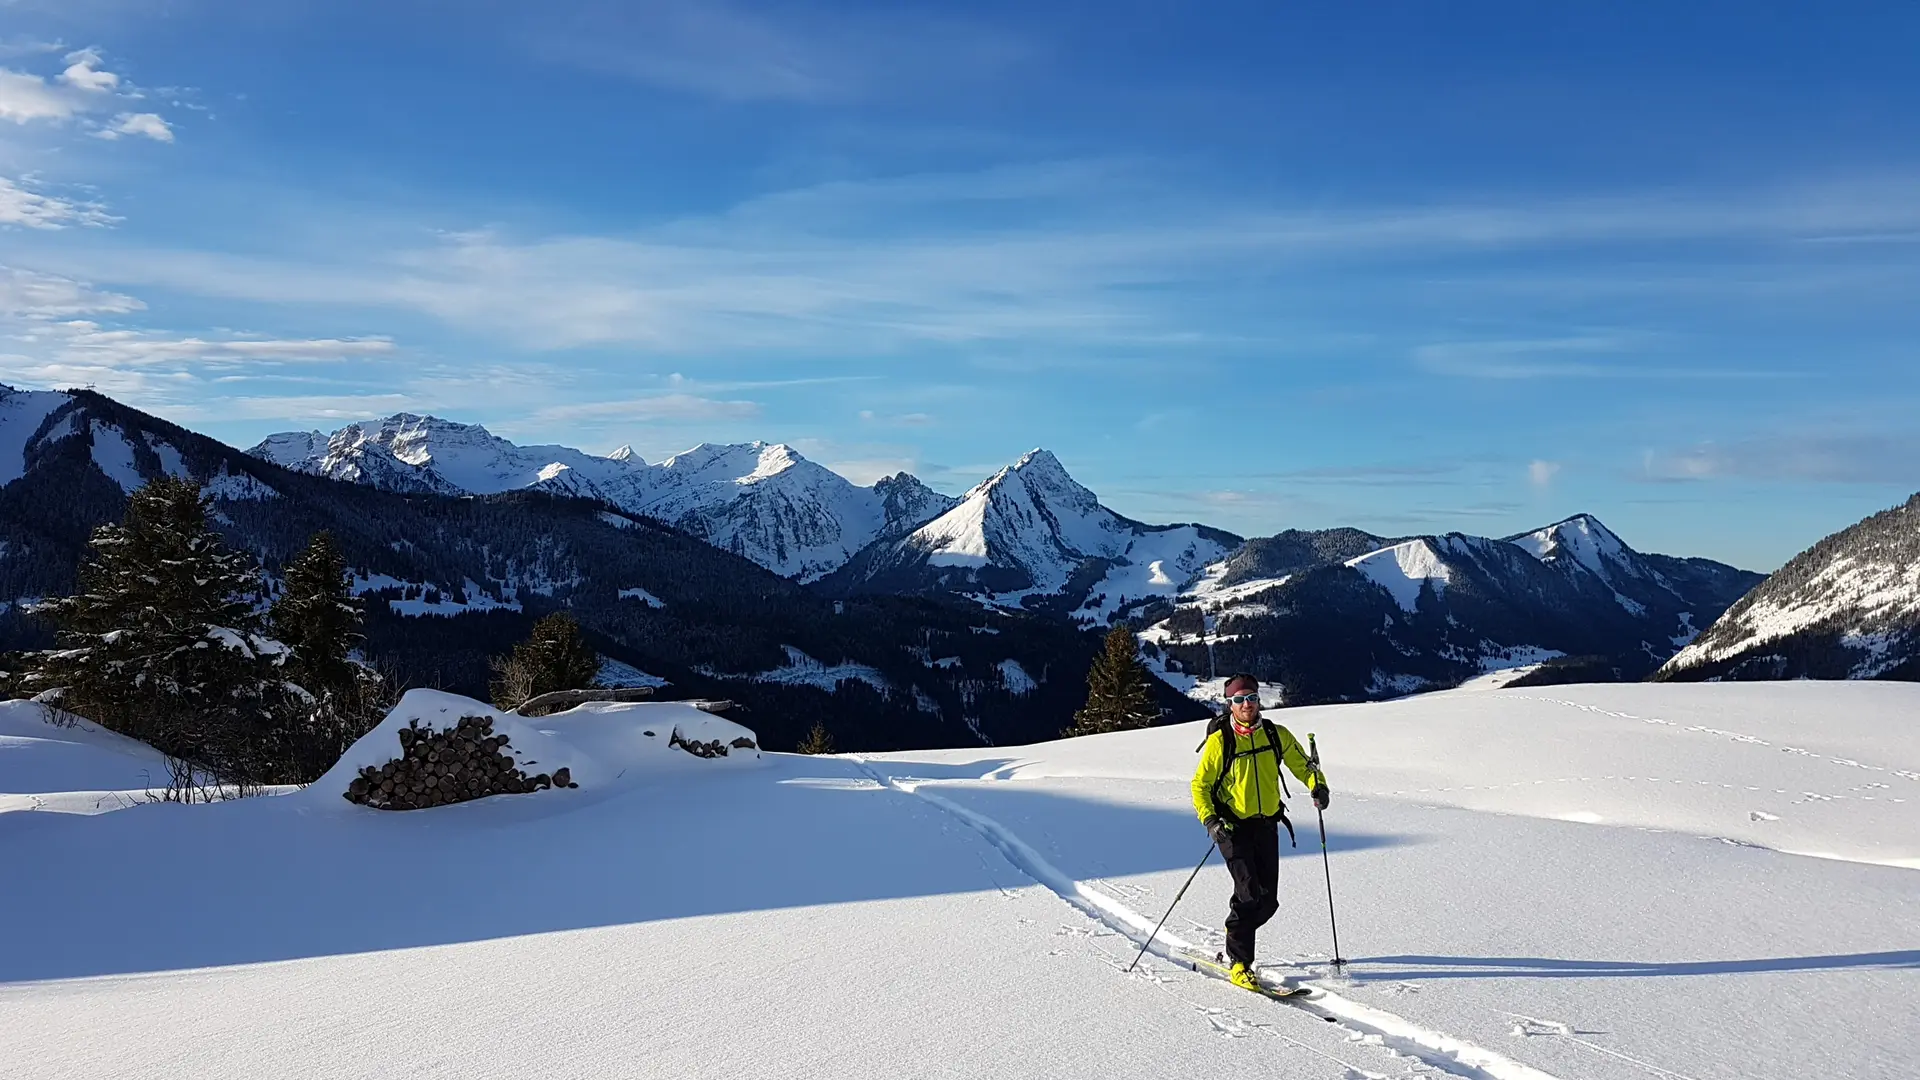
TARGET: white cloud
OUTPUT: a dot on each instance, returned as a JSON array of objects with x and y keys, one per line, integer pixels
[
  {"x": 81, "y": 89},
  {"x": 25, "y": 98},
  {"x": 22, "y": 206},
  {"x": 1541, "y": 473},
  {"x": 662, "y": 407},
  {"x": 83, "y": 72},
  {"x": 147, "y": 124},
  {"x": 30, "y": 295}
]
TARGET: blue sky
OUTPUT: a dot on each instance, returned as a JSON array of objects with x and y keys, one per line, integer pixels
[{"x": 1409, "y": 267}]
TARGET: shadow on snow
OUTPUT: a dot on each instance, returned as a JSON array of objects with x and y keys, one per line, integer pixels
[{"x": 167, "y": 887}]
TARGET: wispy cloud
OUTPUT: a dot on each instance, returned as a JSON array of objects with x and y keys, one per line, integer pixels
[
  {"x": 86, "y": 341},
  {"x": 28, "y": 295},
  {"x": 1563, "y": 358},
  {"x": 1884, "y": 457},
  {"x": 871, "y": 266},
  {"x": 912, "y": 419},
  {"x": 661, "y": 407},
  {"x": 723, "y": 50},
  {"x": 299, "y": 408},
  {"x": 1540, "y": 473},
  {"x": 22, "y": 206}
]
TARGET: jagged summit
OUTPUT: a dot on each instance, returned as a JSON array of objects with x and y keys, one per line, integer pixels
[
  {"x": 1030, "y": 529},
  {"x": 763, "y": 501},
  {"x": 1586, "y": 541}
]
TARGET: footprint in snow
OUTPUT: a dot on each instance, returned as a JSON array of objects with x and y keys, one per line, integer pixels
[
  {"x": 1761, "y": 815},
  {"x": 1231, "y": 1031}
]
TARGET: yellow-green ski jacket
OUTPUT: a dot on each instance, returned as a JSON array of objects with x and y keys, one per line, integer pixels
[{"x": 1251, "y": 786}]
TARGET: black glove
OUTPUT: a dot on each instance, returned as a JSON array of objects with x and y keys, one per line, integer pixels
[
  {"x": 1219, "y": 830},
  {"x": 1321, "y": 796}
]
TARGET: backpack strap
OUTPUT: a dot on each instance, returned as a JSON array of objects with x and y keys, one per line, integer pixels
[{"x": 1280, "y": 766}]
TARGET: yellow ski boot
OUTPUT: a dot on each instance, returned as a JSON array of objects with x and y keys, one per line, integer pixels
[{"x": 1242, "y": 976}]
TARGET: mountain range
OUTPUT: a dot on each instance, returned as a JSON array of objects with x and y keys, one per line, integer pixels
[
  {"x": 1344, "y": 615},
  {"x": 449, "y": 582},
  {"x": 749, "y": 571},
  {"x": 763, "y": 502}
]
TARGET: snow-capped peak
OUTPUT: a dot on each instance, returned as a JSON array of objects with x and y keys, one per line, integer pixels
[
  {"x": 763, "y": 501},
  {"x": 1584, "y": 540},
  {"x": 1404, "y": 569},
  {"x": 1031, "y": 526}
]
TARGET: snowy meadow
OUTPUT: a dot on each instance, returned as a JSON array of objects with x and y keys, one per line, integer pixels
[{"x": 1702, "y": 881}]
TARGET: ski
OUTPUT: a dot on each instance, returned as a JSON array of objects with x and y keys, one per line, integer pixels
[{"x": 1217, "y": 965}]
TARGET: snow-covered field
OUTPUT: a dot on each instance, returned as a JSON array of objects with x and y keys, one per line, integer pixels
[
  {"x": 1594, "y": 882},
  {"x": 72, "y": 766}
]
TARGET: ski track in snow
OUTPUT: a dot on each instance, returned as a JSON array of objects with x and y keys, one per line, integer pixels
[
  {"x": 1739, "y": 737},
  {"x": 1530, "y": 1026},
  {"x": 1395, "y": 1034}
]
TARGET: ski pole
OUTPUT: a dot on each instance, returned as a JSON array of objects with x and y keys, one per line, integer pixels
[
  {"x": 1313, "y": 755},
  {"x": 1170, "y": 907}
]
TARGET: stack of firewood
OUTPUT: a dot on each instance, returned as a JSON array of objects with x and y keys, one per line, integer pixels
[{"x": 436, "y": 768}]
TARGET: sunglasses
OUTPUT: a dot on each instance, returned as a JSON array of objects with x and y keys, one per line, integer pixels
[{"x": 1242, "y": 699}]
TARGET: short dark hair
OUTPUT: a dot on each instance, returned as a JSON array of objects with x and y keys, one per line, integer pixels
[{"x": 1238, "y": 678}]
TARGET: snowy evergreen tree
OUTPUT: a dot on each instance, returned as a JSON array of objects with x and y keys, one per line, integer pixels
[
  {"x": 338, "y": 699},
  {"x": 162, "y": 641},
  {"x": 1117, "y": 695},
  {"x": 555, "y": 656},
  {"x": 318, "y": 616}
]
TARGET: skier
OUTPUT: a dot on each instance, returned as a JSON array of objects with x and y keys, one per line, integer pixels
[{"x": 1237, "y": 792}]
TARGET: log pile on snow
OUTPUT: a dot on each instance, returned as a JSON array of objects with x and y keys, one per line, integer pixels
[
  {"x": 710, "y": 748},
  {"x": 439, "y": 767}
]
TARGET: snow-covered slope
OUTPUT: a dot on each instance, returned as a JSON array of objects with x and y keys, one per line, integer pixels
[
  {"x": 1846, "y": 608},
  {"x": 44, "y": 430},
  {"x": 50, "y": 760},
  {"x": 1031, "y": 530},
  {"x": 405, "y": 452},
  {"x": 975, "y": 913},
  {"x": 762, "y": 501},
  {"x": 22, "y": 413}
]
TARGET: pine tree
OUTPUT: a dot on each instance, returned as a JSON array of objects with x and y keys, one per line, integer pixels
[
  {"x": 818, "y": 741},
  {"x": 555, "y": 656},
  {"x": 162, "y": 641},
  {"x": 1117, "y": 694},
  {"x": 338, "y": 699},
  {"x": 319, "y": 617}
]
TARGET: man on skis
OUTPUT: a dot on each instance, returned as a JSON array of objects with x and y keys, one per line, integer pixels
[{"x": 1237, "y": 791}]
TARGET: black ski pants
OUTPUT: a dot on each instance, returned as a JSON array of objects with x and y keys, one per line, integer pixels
[{"x": 1252, "y": 852}]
